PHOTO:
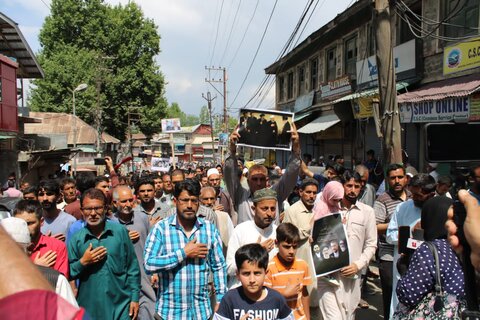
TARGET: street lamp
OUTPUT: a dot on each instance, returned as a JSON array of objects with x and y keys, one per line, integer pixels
[{"x": 80, "y": 87}]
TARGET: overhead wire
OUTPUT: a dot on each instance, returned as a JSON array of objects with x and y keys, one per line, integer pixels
[
  {"x": 230, "y": 33},
  {"x": 256, "y": 52},
  {"x": 216, "y": 35}
]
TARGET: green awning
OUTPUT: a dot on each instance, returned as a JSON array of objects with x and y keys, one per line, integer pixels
[
  {"x": 88, "y": 149},
  {"x": 370, "y": 92},
  {"x": 299, "y": 117},
  {"x": 3, "y": 137}
]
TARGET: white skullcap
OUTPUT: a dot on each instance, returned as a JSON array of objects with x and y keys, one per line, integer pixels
[
  {"x": 212, "y": 171},
  {"x": 17, "y": 229},
  {"x": 245, "y": 170},
  {"x": 433, "y": 165}
]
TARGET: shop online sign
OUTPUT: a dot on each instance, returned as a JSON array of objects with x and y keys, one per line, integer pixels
[{"x": 457, "y": 108}]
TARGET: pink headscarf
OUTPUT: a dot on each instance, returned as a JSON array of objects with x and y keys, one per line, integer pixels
[{"x": 325, "y": 205}]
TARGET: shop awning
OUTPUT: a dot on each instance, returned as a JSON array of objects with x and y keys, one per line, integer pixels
[
  {"x": 320, "y": 124},
  {"x": 456, "y": 87},
  {"x": 299, "y": 117},
  {"x": 370, "y": 92}
]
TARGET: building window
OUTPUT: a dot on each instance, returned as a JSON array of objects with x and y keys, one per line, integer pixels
[
  {"x": 371, "y": 40},
  {"x": 462, "y": 18},
  {"x": 351, "y": 56},
  {"x": 290, "y": 86},
  {"x": 301, "y": 80},
  {"x": 313, "y": 74},
  {"x": 281, "y": 88},
  {"x": 405, "y": 34},
  {"x": 331, "y": 64}
]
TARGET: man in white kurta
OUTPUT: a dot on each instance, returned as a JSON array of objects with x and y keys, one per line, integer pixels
[
  {"x": 259, "y": 230},
  {"x": 339, "y": 302}
]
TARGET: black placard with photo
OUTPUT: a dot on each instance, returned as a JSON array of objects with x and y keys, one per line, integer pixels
[
  {"x": 329, "y": 248},
  {"x": 266, "y": 129}
]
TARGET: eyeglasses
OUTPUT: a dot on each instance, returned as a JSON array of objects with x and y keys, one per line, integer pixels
[
  {"x": 187, "y": 200},
  {"x": 208, "y": 198},
  {"x": 96, "y": 209}
]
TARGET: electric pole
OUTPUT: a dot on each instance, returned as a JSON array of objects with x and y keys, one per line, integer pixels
[
  {"x": 389, "y": 113},
  {"x": 133, "y": 117},
  {"x": 209, "y": 103},
  {"x": 223, "y": 80}
]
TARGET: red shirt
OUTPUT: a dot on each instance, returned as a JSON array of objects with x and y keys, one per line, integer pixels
[
  {"x": 74, "y": 209},
  {"x": 46, "y": 243}
]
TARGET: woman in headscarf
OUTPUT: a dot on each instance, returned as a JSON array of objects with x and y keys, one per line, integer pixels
[
  {"x": 329, "y": 200},
  {"x": 419, "y": 279}
]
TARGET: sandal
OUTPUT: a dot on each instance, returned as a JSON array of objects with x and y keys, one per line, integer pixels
[{"x": 363, "y": 304}]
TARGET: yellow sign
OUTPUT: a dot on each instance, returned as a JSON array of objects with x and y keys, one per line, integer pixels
[
  {"x": 362, "y": 108},
  {"x": 462, "y": 56}
]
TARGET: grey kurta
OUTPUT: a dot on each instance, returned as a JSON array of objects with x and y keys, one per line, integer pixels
[{"x": 241, "y": 196}]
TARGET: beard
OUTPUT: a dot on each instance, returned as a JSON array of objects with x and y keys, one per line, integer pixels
[{"x": 351, "y": 199}]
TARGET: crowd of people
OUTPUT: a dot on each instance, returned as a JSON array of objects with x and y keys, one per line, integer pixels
[{"x": 231, "y": 242}]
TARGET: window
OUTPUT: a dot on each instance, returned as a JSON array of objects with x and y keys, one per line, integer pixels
[
  {"x": 371, "y": 40},
  {"x": 351, "y": 56},
  {"x": 281, "y": 88},
  {"x": 301, "y": 80},
  {"x": 405, "y": 34},
  {"x": 462, "y": 18},
  {"x": 290, "y": 86},
  {"x": 331, "y": 64},
  {"x": 313, "y": 74}
]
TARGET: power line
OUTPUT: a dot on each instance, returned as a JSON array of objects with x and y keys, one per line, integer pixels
[
  {"x": 231, "y": 30},
  {"x": 216, "y": 35},
  {"x": 244, "y": 34},
  {"x": 46, "y": 4},
  {"x": 256, "y": 52}
]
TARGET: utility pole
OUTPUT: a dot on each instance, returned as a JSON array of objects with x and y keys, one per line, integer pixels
[
  {"x": 223, "y": 80},
  {"x": 389, "y": 113},
  {"x": 209, "y": 103},
  {"x": 133, "y": 117}
]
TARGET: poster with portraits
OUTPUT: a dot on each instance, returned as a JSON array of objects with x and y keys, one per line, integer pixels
[
  {"x": 160, "y": 164},
  {"x": 330, "y": 245},
  {"x": 171, "y": 125},
  {"x": 266, "y": 129},
  {"x": 223, "y": 139}
]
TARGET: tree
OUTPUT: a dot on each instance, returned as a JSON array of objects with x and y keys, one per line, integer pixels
[
  {"x": 108, "y": 47},
  {"x": 204, "y": 115}
]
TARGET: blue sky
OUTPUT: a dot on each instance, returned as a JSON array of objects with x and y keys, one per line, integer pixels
[{"x": 188, "y": 30}]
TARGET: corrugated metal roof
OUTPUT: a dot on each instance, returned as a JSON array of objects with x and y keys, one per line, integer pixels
[
  {"x": 63, "y": 123},
  {"x": 455, "y": 87},
  {"x": 14, "y": 45},
  {"x": 320, "y": 124},
  {"x": 201, "y": 140}
]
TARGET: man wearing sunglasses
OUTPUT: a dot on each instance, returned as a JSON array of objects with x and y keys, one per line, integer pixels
[
  {"x": 56, "y": 222},
  {"x": 102, "y": 258}
]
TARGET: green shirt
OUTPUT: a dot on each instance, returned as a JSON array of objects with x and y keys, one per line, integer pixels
[{"x": 106, "y": 288}]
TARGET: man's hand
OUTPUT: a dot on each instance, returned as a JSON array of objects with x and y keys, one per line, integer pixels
[
  {"x": 233, "y": 141},
  {"x": 268, "y": 244},
  {"x": 217, "y": 305},
  {"x": 47, "y": 260},
  {"x": 350, "y": 270},
  {"x": 292, "y": 290},
  {"x": 196, "y": 250},
  {"x": 93, "y": 255},
  {"x": 470, "y": 227},
  {"x": 133, "y": 312},
  {"x": 218, "y": 207},
  {"x": 109, "y": 164},
  {"x": 295, "y": 140},
  {"x": 154, "y": 281},
  {"x": 304, "y": 169},
  {"x": 154, "y": 220},
  {"x": 58, "y": 236},
  {"x": 134, "y": 235}
]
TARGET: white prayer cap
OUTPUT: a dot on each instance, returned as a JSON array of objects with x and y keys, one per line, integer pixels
[
  {"x": 212, "y": 171},
  {"x": 17, "y": 229},
  {"x": 245, "y": 171}
]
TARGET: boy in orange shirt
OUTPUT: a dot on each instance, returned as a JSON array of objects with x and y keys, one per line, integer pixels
[{"x": 290, "y": 275}]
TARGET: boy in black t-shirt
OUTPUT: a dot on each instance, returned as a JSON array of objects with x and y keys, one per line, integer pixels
[{"x": 252, "y": 300}]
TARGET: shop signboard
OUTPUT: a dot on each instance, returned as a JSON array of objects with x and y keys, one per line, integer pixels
[
  {"x": 336, "y": 87},
  {"x": 455, "y": 108},
  {"x": 461, "y": 56}
]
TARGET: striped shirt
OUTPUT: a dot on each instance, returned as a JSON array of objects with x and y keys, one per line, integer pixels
[
  {"x": 183, "y": 282},
  {"x": 279, "y": 277},
  {"x": 384, "y": 208}
]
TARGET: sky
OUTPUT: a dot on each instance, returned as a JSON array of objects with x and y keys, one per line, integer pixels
[{"x": 194, "y": 35}]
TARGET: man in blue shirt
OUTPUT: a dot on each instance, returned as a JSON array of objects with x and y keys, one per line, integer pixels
[{"x": 184, "y": 250}]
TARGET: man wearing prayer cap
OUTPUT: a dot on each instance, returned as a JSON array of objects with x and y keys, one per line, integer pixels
[{"x": 223, "y": 201}]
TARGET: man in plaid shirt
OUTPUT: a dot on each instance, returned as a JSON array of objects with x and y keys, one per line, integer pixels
[{"x": 184, "y": 250}]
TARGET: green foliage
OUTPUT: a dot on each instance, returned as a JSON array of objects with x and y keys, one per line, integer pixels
[
  {"x": 174, "y": 111},
  {"x": 204, "y": 115},
  {"x": 112, "y": 49}
]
